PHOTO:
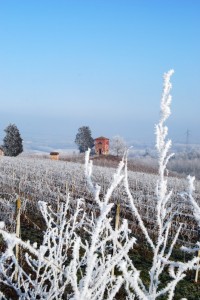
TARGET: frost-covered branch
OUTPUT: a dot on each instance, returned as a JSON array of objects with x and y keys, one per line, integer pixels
[
  {"x": 195, "y": 206},
  {"x": 48, "y": 270},
  {"x": 163, "y": 244},
  {"x": 78, "y": 252},
  {"x": 99, "y": 259}
]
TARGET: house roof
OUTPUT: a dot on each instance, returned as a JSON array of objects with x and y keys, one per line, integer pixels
[
  {"x": 54, "y": 153},
  {"x": 101, "y": 138}
]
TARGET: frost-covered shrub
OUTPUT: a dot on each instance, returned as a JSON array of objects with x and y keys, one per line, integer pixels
[
  {"x": 163, "y": 243},
  {"x": 78, "y": 254}
]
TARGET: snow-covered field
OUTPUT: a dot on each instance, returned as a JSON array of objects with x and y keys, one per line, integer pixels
[{"x": 37, "y": 179}]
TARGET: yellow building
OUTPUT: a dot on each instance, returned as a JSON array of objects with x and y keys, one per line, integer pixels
[
  {"x": 1, "y": 152},
  {"x": 54, "y": 155}
]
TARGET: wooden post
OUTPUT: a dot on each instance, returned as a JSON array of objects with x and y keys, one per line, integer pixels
[
  {"x": 197, "y": 270},
  {"x": 73, "y": 188},
  {"x": 116, "y": 228},
  {"x": 18, "y": 208},
  {"x": 67, "y": 188},
  {"x": 58, "y": 207},
  {"x": 117, "y": 216}
]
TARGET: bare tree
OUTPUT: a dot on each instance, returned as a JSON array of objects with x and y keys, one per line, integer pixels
[{"x": 117, "y": 145}]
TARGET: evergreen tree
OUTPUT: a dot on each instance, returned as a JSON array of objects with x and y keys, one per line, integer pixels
[
  {"x": 12, "y": 142},
  {"x": 84, "y": 139}
]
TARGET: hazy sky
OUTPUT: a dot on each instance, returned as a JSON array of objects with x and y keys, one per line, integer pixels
[{"x": 65, "y": 64}]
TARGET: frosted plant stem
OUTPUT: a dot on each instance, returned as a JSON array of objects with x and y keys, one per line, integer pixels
[
  {"x": 135, "y": 211},
  {"x": 162, "y": 198}
]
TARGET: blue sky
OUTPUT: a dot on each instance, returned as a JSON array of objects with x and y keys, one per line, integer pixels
[{"x": 65, "y": 64}]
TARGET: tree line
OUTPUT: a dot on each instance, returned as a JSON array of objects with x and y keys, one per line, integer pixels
[
  {"x": 84, "y": 141},
  {"x": 13, "y": 143}
]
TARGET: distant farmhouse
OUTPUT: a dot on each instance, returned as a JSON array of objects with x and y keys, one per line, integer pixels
[
  {"x": 1, "y": 151},
  {"x": 54, "y": 155},
  {"x": 101, "y": 145}
]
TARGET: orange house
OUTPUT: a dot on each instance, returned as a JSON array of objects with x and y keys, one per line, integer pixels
[{"x": 101, "y": 145}]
